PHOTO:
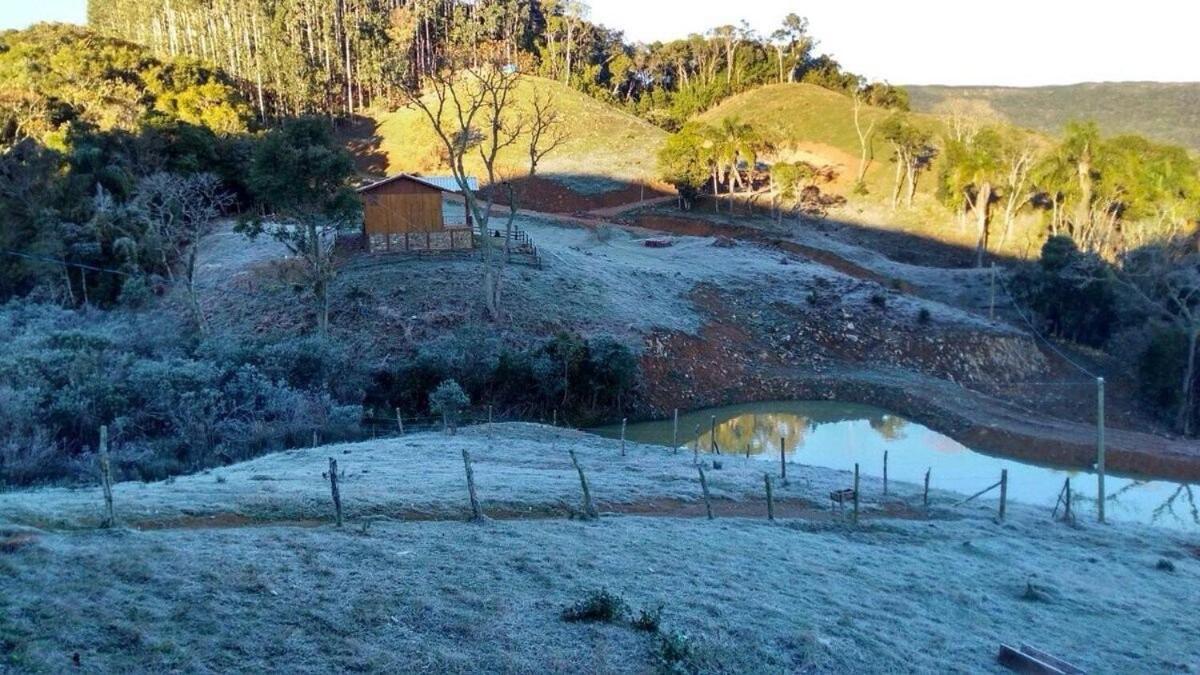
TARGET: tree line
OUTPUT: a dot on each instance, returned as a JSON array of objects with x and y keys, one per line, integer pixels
[{"x": 293, "y": 57}]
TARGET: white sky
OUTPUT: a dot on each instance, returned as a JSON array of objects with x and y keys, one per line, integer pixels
[{"x": 1014, "y": 42}]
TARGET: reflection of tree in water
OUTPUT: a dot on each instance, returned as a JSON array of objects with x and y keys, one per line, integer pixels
[
  {"x": 759, "y": 432},
  {"x": 1163, "y": 509},
  {"x": 889, "y": 426},
  {"x": 1168, "y": 506}
]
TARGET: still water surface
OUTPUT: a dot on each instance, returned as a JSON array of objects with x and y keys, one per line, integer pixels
[{"x": 836, "y": 435}]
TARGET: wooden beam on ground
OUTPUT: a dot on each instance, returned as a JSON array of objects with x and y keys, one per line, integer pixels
[{"x": 1020, "y": 661}]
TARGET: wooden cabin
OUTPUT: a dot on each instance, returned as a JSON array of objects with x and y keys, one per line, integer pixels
[{"x": 405, "y": 213}]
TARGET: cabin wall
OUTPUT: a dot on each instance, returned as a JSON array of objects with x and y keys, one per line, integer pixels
[
  {"x": 405, "y": 215},
  {"x": 402, "y": 207}
]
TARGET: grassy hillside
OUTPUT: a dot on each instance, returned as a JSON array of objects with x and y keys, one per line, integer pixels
[
  {"x": 813, "y": 124},
  {"x": 1167, "y": 112},
  {"x": 605, "y": 147}
]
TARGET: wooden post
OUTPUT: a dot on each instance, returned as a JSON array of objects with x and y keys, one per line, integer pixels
[
  {"x": 925, "y": 497},
  {"x": 704, "y": 488},
  {"x": 885, "y": 458},
  {"x": 712, "y": 437},
  {"x": 106, "y": 481},
  {"x": 554, "y": 418},
  {"x": 1003, "y": 492},
  {"x": 747, "y": 450},
  {"x": 782, "y": 462},
  {"x": 992, "y": 300},
  {"x": 1069, "y": 516},
  {"x": 856, "y": 492},
  {"x": 315, "y": 438},
  {"x": 1100, "y": 447},
  {"x": 589, "y": 509},
  {"x": 333, "y": 488},
  {"x": 675, "y": 433},
  {"x": 623, "y": 421},
  {"x": 770, "y": 497},
  {"x": 400, "y": 421},
  {"x": 476, "y": 510}
]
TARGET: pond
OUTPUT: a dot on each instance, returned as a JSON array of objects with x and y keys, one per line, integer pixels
[{"x": 837, "y": 435}]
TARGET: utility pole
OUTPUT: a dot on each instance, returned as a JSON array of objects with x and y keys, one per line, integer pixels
[{"x": 1100, "y": 446}]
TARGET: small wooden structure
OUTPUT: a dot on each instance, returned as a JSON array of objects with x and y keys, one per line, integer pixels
[{"x": 405, "y": 213}]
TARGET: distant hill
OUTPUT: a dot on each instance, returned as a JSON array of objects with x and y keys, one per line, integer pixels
[
  {"x": 1167, "y": 112},
  {"x": 606, "y": 148},
  {"x": 813, "y": 124}
]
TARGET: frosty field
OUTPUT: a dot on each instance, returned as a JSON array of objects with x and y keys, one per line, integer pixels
[{"x": 247, "y": 573}]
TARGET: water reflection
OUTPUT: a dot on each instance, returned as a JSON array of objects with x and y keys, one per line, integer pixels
[{"x": 838, "y": 435}]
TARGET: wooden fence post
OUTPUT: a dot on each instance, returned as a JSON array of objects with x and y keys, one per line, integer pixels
[
  {"x": 856, "y": 492},
  {"x": 623, "y": 421},
  {"x": 925, "y": 496},
  {"x": 885, "y": 458},
  {"x": 400, "y": 421},
  {"x": 704, "y": 488},
  {"x": 110, "y": 518},
  {"x": 489, "y": 429},
  {"x": 315, "y": 444},
  {"x": 770, "y": 497},
  {"x": 1070, "y": 516},
  {"x": 476, "y": 510},
  {"x": 554, "y": 418},
  {"x": 675, "y": 433},
  {"x": 782, "y": 463},
  {"x": 333, "y": 488},
  {"x": 1003, "y": 491},
  {"x": 1100, "y": 450},
  {"x": 589, "y": 509}
]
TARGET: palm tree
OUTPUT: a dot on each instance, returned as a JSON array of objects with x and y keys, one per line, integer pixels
[{"x": 733, "y": 143}]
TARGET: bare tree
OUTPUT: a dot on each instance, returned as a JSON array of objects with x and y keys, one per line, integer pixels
[
  {"x": 546, "y": 132},
  {"x": 180, "y": 210},
  {"x": 459, "y": 99},
  {"x": 1164, "y": 279},
  {"x": 865, "y": 137}
]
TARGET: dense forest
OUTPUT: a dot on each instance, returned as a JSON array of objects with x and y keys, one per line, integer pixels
[{"x": 301, "y": 56}]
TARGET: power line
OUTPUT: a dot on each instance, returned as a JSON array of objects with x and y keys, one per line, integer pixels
[{"x": 1037, "y": 334}]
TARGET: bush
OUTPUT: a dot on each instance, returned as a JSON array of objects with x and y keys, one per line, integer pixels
[
  {"x": 170, "y": 406},
  {"x": 602, "y": 605},
  {"x": 649, "y": 619},
  {"x": 449, "y": 400},
  {"x": 675, "y": 653},
  {"x": 924, "y": 317},
  {"x": 603, "y": 233}
]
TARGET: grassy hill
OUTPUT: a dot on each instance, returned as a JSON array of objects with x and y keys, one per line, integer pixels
[
  {"x": 1167, "y": 112},
  {"x": 605, "y": 149},
  {"x": 814, "y": 124}
]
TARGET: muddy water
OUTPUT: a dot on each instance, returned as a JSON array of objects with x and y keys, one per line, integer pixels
[{"x": 837, "y": 435}]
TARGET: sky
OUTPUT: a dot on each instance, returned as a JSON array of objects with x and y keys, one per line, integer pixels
[{"x": 1016, "y": 42}]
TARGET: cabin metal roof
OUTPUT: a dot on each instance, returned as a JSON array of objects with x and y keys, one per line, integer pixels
[{"x": 443, "y": 183}]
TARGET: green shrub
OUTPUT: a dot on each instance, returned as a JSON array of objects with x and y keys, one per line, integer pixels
[
  {"x": 649, "y": 620},
  {"x": 600, "y": 606},
  {"x": 449, "y": 400}
]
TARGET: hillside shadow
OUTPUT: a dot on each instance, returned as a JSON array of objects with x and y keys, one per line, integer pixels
[
  {"x": 360, "y": 135},
  {"x": 902, "y": 246}
]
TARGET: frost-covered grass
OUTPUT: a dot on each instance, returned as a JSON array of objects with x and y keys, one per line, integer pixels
[
  {"x": 813, "y": 594},
  {"x": 521, "y": 467}
]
